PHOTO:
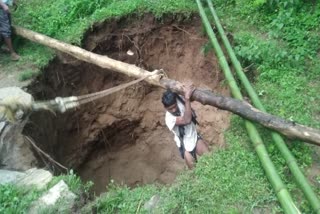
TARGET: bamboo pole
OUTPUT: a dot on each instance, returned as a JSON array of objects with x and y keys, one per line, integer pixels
[
  {"x": 279, "y": 187},
  {"x": 243, "y": 109},
  {"x": 87, "y": 56},
  {"x": 287, "y": 155}
]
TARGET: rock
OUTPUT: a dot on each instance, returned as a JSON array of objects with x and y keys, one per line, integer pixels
[
  {"x": 59, "y": 198},
  {"x": 15, "y": 153},
  {"x": 38, "y": 178},
  {"x": 7, "y": 176},
  {"x": 152, "y": 203}
]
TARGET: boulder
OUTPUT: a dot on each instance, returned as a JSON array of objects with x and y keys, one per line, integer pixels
[
  {"x": 38, "y": 178},
  {"x": 152, "y": 204},
  {"x": 58, "y": 198},
  {"x": 15, "y": 153},
  {"x": 7, "y": 176}
]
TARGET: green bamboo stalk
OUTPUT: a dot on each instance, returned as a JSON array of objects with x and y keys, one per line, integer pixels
[
  {"x": 275, "y": 180},
  {"x": 287, "y": 155}
]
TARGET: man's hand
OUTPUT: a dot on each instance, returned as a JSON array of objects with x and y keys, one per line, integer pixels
[
  {"x": 188, "y": 90},
  {"x": 5, "y": 7}
]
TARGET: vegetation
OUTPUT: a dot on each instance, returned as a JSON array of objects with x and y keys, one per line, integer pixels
[
  {"x": 277, "y": 42},
  {"x": 277, "y": 139},
  {"x": 14, "y": 199},
  {"x": 26, "y": 75},
  {"x": 74, "y": 183}
]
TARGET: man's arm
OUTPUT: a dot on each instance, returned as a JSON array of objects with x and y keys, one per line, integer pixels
[
  {"x": 4, "y": 6},
  {"x": 187, "y": 116}
]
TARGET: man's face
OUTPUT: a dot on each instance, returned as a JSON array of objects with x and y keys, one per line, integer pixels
[{"x": 173, "y": 108}]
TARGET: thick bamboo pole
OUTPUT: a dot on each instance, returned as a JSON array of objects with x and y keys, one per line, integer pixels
[
  {"x": 87, "y": 56},
  {"x": 243, "y": 109},
  {"x": 279, "y": 187},
  {"x": 287, "y": 155}
]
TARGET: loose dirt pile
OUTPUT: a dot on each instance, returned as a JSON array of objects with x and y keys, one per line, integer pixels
[{"x": 123, "y": 136}]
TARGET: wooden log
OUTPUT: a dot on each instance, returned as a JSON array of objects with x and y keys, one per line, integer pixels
[
  {"x": 288, "y": 128},
  {"x": 87, "y": 56}
]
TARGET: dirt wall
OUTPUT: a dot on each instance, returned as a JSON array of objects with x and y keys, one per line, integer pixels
[{"x": 123, "y": 136}]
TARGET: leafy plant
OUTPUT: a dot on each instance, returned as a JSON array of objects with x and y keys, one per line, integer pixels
[
  {"x": 74, "y": 183},
  {"x": 14, "y": 199}
]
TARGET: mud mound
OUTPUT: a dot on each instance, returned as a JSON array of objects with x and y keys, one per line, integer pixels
[{"x": 123, "y": 136}]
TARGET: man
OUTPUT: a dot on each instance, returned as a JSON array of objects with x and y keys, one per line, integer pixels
[
  {"x": 5, "y": 27},
  {"x": 181, "y": 120}
]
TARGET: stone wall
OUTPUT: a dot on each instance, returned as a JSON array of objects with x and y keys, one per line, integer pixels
[{"x": 15, "y": 152}]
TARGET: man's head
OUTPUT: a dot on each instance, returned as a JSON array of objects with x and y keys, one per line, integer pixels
[{"x": 169, "y": 101}]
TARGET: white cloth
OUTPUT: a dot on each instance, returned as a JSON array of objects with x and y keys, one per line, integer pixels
[{"x": 190, "y": 137}]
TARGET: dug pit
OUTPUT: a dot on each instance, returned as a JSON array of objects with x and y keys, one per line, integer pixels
[{"x": 123, "y": 136}]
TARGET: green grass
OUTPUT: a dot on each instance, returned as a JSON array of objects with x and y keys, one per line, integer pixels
[
  {"x": 74, "y": 183},
  {"x": 68, "y": 20},
  {"x": 280, "y": 46},
  {"x": 14, "y": 199},
  {"x": 122, "y": 199},
  {"x": 283, "y": 48},
  {"x": 33, "y": 58},
  {"x": 27, "y": 75},
  {"x": 230, "y": 179}
]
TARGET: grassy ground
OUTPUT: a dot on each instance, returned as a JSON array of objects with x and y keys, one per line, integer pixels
[{"x": 280, "y": 45}]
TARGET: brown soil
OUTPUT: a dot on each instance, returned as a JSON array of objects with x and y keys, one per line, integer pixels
[{"x": 123, "y": 136}]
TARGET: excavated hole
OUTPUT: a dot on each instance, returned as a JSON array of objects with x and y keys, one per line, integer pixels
[{"x": 123, "y": 136}]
